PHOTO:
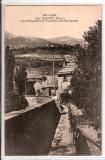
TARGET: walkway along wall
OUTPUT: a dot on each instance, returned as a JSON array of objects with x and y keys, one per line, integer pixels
[{"x": 32, "y": 132}]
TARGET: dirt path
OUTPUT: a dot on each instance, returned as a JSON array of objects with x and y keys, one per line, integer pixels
[{"x": 63, "y": 140}]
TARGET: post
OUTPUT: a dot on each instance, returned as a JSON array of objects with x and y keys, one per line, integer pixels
[
  {"x": 54, "y": 72},
  {"x": 25, "y": 86},
  {"x": 25, "y": 82}
]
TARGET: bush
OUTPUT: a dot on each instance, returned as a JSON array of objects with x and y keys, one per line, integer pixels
[{"x": 15, "y": 102}]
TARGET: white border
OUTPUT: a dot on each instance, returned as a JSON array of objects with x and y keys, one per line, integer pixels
[
  {"x": 54, "y": 2},
  {"x": 2, "y": 87}
]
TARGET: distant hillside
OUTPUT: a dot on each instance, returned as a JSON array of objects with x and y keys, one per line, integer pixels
[
  {"x": 9, "y": 35},
  {"x": 19, "y": 41},
  {"x": 66, "y": 40},
  {"x": 31, "y": 42}
]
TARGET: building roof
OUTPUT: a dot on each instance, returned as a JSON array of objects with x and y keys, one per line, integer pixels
[
  {"x": 34, "y": 76},
  {"x": 33, "y": 73},
  {"x": 66, "y": 70}
]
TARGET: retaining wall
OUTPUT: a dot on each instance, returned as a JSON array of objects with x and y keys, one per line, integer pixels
[{"x": 32, "y": 132}]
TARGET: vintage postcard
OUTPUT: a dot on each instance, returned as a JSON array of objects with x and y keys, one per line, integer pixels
[{"x": 53, "y": 78}]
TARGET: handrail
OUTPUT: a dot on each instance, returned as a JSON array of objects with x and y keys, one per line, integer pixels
[{"x": 80, "y": 130}]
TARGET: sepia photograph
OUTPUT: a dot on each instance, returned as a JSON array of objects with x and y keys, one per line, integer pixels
[{"x": 53, "y": 80}]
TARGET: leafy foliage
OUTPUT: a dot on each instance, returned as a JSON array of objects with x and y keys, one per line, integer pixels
[
  {"x": 86, "y": 81},
  {"x": 13, "y": 100},
  {"x": 9, "y": 70},
  {"x": 20, "y": 78}
]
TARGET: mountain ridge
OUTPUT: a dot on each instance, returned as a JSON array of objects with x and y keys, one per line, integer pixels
[
  {"x": 20, "y": 41},
  {"x": 68, "y": 40}
]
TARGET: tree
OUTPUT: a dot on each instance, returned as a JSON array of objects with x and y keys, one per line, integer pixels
[
  {"x": 86, "y": 81},
  {"x": 9, "y": 70},
  {"x": 13, "y": 100},
  {"x": 20, "y": 78}
]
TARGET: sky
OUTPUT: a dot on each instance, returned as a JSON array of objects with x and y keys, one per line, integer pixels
[{"x": 20, "y": 20}]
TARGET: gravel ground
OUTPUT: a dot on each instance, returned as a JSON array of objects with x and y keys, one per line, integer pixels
[{"x": 63, "y": 140}]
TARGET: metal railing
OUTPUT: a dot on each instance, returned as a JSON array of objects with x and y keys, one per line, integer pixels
[{"x": 78, "y": 132}]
